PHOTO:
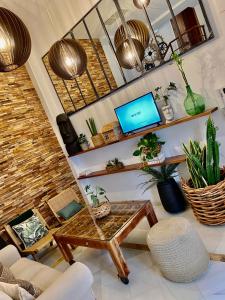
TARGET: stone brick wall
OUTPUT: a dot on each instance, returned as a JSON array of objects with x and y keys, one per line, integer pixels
[
  {"x": 33, "y": 167},
  {"x": 68, "y": 91}
]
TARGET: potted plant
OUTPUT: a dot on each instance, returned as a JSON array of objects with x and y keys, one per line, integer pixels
[
  {"x": 205, "y": 190},
  {"x": 149, "y": 149},
  {"x": 96, "y": 138},
  {"x": 82, "y": 139},
  {"x": 95, "y": 194},
  {"x": 114, "y": 165},
  {"x": 169, "y": 191},
  {"x": 194, "y": 103},
  {"x": 164, "y": 95}
]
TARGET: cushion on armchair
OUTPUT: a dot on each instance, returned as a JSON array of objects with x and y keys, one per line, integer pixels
[
  {"x": 30, "y": 231},
  {"x": 70, "y": 210}
]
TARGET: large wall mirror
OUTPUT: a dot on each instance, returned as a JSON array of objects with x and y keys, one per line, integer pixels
[{"x": 124, "y": 40}]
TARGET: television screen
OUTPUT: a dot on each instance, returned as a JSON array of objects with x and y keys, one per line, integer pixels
[{"x": 138, "y": 113}]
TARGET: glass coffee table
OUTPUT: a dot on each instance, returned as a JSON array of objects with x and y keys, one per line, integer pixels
[{"x": 106, "y": 233}]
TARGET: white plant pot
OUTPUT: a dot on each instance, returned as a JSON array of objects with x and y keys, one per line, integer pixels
[
  {"x": 157, "y": 160},
  {"x": 85, "y": 146},
  {"x": 168, "y": 113}
]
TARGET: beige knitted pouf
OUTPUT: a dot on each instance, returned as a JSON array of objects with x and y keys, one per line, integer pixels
[{"x": 177, "y": 250}]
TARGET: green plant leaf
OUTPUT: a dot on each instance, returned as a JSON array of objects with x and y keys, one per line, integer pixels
[{"x": 137, "y": 153}]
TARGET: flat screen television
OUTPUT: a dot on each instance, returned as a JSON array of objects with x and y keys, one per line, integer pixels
[{"x": 137, "y": 114}]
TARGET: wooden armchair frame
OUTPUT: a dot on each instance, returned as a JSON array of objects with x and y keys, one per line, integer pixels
[
  {"x": 61, "y": 200},
  {"x": 39, "y": 245}
]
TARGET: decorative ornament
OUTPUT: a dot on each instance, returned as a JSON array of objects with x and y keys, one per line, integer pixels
[
  {"x": 127, "y": 53},
  {"x": 15, "y": 41},
  {"x": 140, "y": 3},
  {"x": 67, "y": 59},
  {"x": 137, "y": 30}
]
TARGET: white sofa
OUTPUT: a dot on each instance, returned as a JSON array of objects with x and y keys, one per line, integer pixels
[{"x": 74, "y": 284}]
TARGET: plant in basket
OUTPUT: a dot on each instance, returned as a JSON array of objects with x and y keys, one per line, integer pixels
[
  {"x": 169, "y": 191},
  {"x": 206, "y": 188},
  {"x": 149, "y": 149},
  {"x": 97, "y": 138},
  {"x": 96, "y": 194},
  {"x": 114, "y": 164}
]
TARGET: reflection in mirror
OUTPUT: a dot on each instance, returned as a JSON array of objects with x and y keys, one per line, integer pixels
[
  {"x": 105, "y": 51},
  {"x": 60, "y": 88},
  {"x": 191, "y": 22},
  {"x": 124, "y": 39}
]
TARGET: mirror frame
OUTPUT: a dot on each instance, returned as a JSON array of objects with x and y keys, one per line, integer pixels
[{"x": 126, "y": 83}]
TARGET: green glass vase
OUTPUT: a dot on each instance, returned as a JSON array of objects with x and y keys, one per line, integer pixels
[{"x": 194, "y": 103}]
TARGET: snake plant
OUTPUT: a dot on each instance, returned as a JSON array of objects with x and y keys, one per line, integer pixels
[{"x": 204, "y": 162}]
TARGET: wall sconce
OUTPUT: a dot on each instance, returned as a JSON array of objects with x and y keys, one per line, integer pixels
[
  {"x": 15, "y": 41},
  {"x": 67, "y": 59}
]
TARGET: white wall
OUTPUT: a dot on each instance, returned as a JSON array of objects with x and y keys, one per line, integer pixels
[{"x": 205, "y": 68}]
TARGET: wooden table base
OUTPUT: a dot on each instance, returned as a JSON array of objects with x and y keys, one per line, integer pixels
[{"x": 112, "y": 245}]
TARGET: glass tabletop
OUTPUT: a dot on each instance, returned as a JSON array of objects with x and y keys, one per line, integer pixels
[{"x": 84, "y": 226}]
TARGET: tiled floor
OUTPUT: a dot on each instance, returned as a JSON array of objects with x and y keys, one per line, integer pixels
[{"x": 146, "y": 281}]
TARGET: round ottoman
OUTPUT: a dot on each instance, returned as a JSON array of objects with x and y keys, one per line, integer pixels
[{"x": 177, "y": 250}]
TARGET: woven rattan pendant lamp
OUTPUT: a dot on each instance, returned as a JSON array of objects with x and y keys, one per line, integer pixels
[
  {"x": 141, "y": 3},
  {"x": 15, "y": 41},
  {"x": 67, "y": 59}
]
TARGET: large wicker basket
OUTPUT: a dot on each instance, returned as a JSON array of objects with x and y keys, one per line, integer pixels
[
  {"x": 208, "y": 203},
  {"x": 102, "y": 211}
]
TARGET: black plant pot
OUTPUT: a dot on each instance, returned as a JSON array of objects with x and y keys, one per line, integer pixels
[{"x": 171, "y": 196}]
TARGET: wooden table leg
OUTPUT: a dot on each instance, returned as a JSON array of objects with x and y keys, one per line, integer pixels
[
  {"x": 66, "y": 252},
  {"x": 150, "y": 215},
  {"x": 119, "y": 261}
]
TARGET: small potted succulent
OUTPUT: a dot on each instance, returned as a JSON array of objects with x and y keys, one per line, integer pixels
[
  {"x": 169, "y": 191},
  {"x": 150, "y": 149},
  {"x": 82, "y": 139},
  {"x": 99, "y": 208},
  {"x": 164, "y": 95},
  {"x": 114, "y": 165},
  {"x": 97, "y": 138}
]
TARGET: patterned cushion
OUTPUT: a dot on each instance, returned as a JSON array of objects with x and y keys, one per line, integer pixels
[
  {"x": 7, "y": 276},
  {"x": 30, "y": 231}
]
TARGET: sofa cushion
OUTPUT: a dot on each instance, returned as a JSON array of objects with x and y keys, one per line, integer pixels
[
  {"x": 70, "y": 210},
  {"x": 7, "y": 276},
  {"x": 15, "y": 292},
  {"x": 30, "y": 231},
  {"x": 4, "y": 296},
  {"x": 39, "y": 275}
]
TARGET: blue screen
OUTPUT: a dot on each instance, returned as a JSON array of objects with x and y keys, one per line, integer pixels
[{"x": 138, "y": 113}]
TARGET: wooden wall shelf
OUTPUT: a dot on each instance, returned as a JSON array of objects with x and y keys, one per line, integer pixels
[
  {"x": 133, "y": 167},
  {"x": 157, "y": 128}
]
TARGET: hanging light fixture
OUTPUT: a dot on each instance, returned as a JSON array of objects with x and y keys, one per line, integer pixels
[
  {"x": 67, "y": 59},
  {"x": 141, "y": 3},
  {"x": 128, "y": 51},
  {"x": 15, "y": 41},
  {"x": 137, "y": 29}
]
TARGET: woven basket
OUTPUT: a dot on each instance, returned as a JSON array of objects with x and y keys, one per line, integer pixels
[
  {"x": 98, "y": 140},
  {"x": 208, "y": 203},
  {"x": 102, "y": 211}
]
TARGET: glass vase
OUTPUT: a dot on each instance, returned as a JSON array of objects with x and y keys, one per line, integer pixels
[{"x": 194, "y": 103}]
